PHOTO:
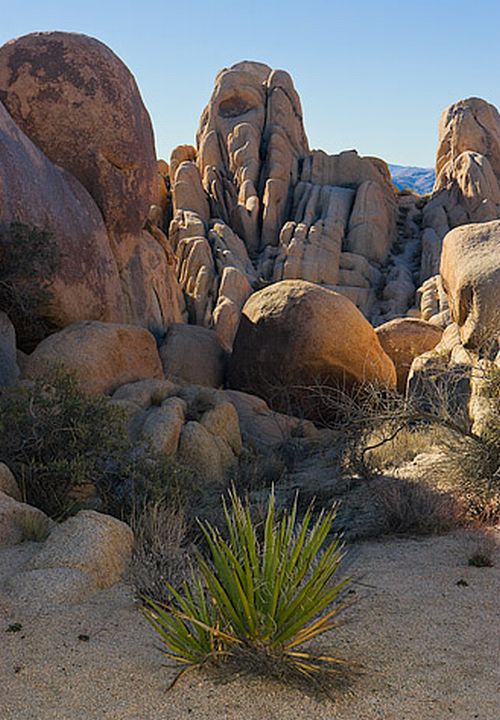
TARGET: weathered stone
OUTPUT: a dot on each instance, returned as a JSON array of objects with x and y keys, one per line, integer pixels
[
  {"x": 144, "y": 393},
  {"x": 101, "y": 356},
  {"x": 234, "y": 291},
  {"x": 470, "y": 271},
  {"x": 371, "y": 224},
  {"x": 188, "y": 193},
  {"x": 471, "y": 124},
  {"x": 311, "y": 242},
  {"x": 431, "y": 254},
  {"x": 18, "y": 520},
  {"x": 296, "y": 335},
  {"x": 154, "y": 297},
  {"x": 262, "y": 427},
  {"x": 84, "y": 282},
  {"x": 403, "y": 339},
  {"x": 194, "y": 355},
  {"x": 96, "y": 544},
  {"x": 251, "y": 103},
  {"x": 468, "y": 162},
  {"x": 80, "y": 104},
  {"x": 162, "y": 426}
]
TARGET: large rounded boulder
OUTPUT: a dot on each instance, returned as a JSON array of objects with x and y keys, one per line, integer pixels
[
  {"x": 101, "y": 356},
  {"x": 470, "y": 272},
  {"x": 73, "y": 275},
  {"x": 295, "y": 336},
  {"x": 80, "y": 104}
]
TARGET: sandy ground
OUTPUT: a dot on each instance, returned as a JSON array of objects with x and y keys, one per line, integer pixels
[{"x": 426, "y": 627}]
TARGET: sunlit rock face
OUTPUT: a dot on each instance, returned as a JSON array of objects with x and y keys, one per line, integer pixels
[
  {"x": 82, "y": 280},
  {"x": 251, "y": 140},
  {"x": 80, "y": 106},
  {"x": 253, "y": 204},
  {"x": 467, "y": 187},
  {"x": 470, "y": 272},
  {"x": 79, "y": 103}
]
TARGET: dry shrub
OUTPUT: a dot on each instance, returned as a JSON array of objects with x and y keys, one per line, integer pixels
[
  {"x": 414, "y": 506},
  {"x": 485, "y": 550},
  {"x": 376, "y": 429},
  {"x": 162, "y": 553},
  {"x": 469, "y": 467},
  {"x": 257, "y": 470}
]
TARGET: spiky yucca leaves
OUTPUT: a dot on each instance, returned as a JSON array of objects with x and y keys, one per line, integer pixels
[{"x": 264, "y": 591}]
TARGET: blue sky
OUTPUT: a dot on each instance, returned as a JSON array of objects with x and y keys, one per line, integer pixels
[{"x": 372, "y": 75}]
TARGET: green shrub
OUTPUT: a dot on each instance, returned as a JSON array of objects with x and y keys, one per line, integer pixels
[
  {"x": 67, "y": 449},
  {"x": 262, "y": 593},
  {"x": 29, "y": 260}
]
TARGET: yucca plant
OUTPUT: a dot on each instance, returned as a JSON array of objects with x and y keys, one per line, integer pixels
[{"x": 262, "y": 592}]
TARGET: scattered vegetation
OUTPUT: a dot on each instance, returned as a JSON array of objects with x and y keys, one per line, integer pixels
[
  {"x": 376, "y": 430},
  {"x": 262, "y": 592},
  {"x": 68, "y": 450},
  {"x": 14, "y": 627},
  {"x": 29, "y": 260},
  {"x": 259, "y": 469}
]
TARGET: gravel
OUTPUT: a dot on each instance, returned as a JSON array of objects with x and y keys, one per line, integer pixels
[{"x": 425, "y": 628}]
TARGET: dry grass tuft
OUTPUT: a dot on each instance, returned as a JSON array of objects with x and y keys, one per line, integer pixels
[
  {"x": 162, "y": 554},
  {"x": 414, "y": 506},
  {"x": 403, "y": 447}
]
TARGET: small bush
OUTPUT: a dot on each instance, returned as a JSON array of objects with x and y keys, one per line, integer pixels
[
  {"x": 410, "y": 506},
  {"x": 481, "y": 559},
  {"x": 29, "y": 260},
  {"x": 67, "y": 449},
  {"x": 257, "y": 597}
]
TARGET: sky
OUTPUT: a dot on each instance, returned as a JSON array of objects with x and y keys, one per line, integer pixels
[{"x": 373, "y": 75}]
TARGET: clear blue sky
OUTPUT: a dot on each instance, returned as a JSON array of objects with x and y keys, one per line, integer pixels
[{"x": 372, "y": 74}]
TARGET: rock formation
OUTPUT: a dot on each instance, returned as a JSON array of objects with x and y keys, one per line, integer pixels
[
  {"x": 80, "y": 105},
  {"x": 85, "y": 281},
  {"x": 198, "y": 425},
  {"x": 194, "y": 355},
  {"x": 78, "y": 102},
  {"x": 282, "y": 255},
  {"x": 88, "y": 552},
  {"x": 467, "y": 187},
  {"x": 253, "y": 204},
  {"x": 404, "y": 339},
  {"x": 468, "y": 161}
]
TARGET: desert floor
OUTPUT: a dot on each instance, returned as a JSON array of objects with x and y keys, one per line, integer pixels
[{"x": 426, "y": 628}]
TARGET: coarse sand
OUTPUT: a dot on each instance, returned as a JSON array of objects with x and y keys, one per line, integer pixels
[{"x": 426, "y": 628}]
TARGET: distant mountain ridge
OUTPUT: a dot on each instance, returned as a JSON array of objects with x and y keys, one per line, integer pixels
[{"x": 420, "y": 180}]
